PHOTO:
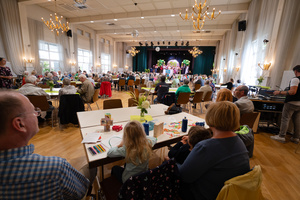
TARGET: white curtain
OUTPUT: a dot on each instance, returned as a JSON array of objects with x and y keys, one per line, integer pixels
[
  {"x": 288, "y": 42},
  {"x": 36, "y": 33},
  {"x": 75, "y": 52},
  {"x": 11, "y": 34},
  {"x": 63, "y": 40}
]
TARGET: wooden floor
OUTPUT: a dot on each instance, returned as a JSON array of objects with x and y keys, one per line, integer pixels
[{"x": 279, "y": 162}]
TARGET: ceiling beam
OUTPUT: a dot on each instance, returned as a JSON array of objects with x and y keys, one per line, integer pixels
[
  {"x": 169, "y": 38},
  {"x": 234, "y": 8}
]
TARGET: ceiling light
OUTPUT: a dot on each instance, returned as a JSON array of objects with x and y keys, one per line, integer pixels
[
  {"x": 92, "y": 21},
  {"x": 195, "y": 52},
  {"x": 80, "y": 2},
  {"x": 178, "y": 30},
  {"x": 172, "y": 15},
  {"x": 142, "y": 17},
  {"x": 115, "y": 33},
  {"x": 133, "y": 51},
  {"x": 116, "y": 19},
  {"x": 155, "y": 31}
]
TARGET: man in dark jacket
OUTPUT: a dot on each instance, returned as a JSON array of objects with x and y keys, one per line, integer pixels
[{"x": 161, "y": 89}]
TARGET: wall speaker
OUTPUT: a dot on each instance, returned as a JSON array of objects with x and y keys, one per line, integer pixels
[
  {"x": 69, "y": 33},
  {"x": 242, "y": 25}
]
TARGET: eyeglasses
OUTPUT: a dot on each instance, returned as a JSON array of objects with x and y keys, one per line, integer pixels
[{"x": 37, "y": 112}]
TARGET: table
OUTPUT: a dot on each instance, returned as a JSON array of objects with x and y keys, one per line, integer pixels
[
  {"x": 92, "y": 118},
  {"x": 163, "y": 140}
]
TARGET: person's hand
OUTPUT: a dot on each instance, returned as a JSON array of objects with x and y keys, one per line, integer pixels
[
  {"x": 121, "y": 144},
  {"x": 276, "y": 92},
  {"x": 184, "y": 139}
]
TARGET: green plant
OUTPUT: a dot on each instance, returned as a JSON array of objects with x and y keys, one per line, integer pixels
[
  {"x": 260, "y": 80},
  {"x": 142, "y": 102},
  {"x": 186, "y": 62},
  {"x": 147, "y": 70},
  {"x": 50, "y": 84},
  {"x": 160, "y": 62}
]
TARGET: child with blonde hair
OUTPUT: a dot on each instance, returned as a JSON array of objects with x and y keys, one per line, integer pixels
[{"x": 136, "y": 147}]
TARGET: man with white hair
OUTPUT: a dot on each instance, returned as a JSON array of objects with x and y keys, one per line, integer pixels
[
  {"x": 30, "y": 88},
  {"x": 90, "y": 78},
  {"x": 87, "y": 89}
]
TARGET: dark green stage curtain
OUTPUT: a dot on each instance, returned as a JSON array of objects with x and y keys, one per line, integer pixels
[
  {"x": 140, "y": 60},
  {"x": 204, "y": 62}
]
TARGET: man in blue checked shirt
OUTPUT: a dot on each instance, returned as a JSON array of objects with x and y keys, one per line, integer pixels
[{"x": 23, "y": 174}]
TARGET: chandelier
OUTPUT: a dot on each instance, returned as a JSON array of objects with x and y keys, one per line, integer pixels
[
  {"x": 195, "y": 52},
  {"x": 133, "y": 51},
  {"x": 80, "y": 2},
  {"x": 55, "y": 25},
  {"x": 201, "y": 13}
]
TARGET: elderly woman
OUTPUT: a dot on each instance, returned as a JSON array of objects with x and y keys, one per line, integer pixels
[
  {"x": 67, "y": 89},
  {"x": 5, "y": 75},
  {"x": 224, "y": 95},
  {"x": 215, "y": 160}
]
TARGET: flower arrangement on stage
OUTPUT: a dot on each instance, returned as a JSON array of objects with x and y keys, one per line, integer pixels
[
  {"x": 160, "y": 62},
  {"x": 186, "y": 62},
  {"x": 147, "y": 70},
  {"x": 142, "y": 103}
]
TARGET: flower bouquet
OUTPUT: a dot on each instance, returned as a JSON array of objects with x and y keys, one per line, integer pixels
[
  {"x": 50, "y": 84},
  {"x": 260, "y": 80},
  {"x": 142, "y": 103}
]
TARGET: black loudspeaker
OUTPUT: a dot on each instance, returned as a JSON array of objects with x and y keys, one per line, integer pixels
[
  {"x": 69, "y": 33},
  {"x": 242, "y": 25}
]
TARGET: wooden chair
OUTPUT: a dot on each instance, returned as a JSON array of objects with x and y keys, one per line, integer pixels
[
  {"x": 42, "y": 103},
  {"x": 197, "y": 86},
  {"x": 207, "y": 98},
  {"x": 183, "y": 98},
  {"x": 250, "y": 119},
  {"x": 112, "y": 103},
  {"x": 130, "y": 83},
  {"x": 132, "y": 102},
  {"x": 94, "y": 99},
  {"x": 137, "y": 83},
  {"x": 41, "y": 85},
  {"x": 197, "y": 98},
  {"x": 121, "y": 84},
  {"x": 137, "y": 94},
  {"x": 73, "y": 83},
  {"x": 143, "y": 81}
]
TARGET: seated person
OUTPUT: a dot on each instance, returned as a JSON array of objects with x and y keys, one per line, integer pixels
[
  {"x": 87, "y": 89},
  {"x": 136, "y": 148},
  {"x": 161, "y": 89},
  {"x": 224, "y": 95},
  {"x": 243, "y": 103},
  {"x": 184, "y": 88},
  {"x": 206, "y": 88},
  {"x": 24, "y": 174},
  {"x": 175, "y": 82},
  {"x": 216, "y": 160},
  {"x": 229, "y": 84},
  {"x": 183, "y": 148},
  {"x": 67, "y": 89},
  {"x": 30, "y": 88}
]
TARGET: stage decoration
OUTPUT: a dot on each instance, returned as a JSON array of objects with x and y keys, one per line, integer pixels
[
  {"x": 195, "y": 52},
  {"x": 133, "y": 51},
  {"x": 160, "y": 62},
  {"x": 56, "y": 24},
  {"x": 201, "y": 13},
  {"x": 186, "y": 62}
]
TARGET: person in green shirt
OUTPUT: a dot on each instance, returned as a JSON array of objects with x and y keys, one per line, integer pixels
[{"x": 184, "y": 88}]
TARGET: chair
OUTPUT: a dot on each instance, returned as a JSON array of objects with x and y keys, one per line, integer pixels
[
  {"x": 206, "y": 98},
  {"x": 246, "y": 135},
  {"x": 250, "y": 119},
  {"x": 197, "y": 86},
  {"x": 42, "y": 103},
  {"x": 161, "y": 182},
  {"x": 43, "y": 85},
  {"x": 94, "y": 99},
  {"x": 197, "y": 98},
  {"x": 69, "y": 105},
  {"x": 137, "y": 82},
  {"x": 112, "y": 103},
  {"x": 121, "y": 83},
  {"x": 105, "y": 89},
  {"x": 143, "y": 81},
  {"x": 247, "y": 186},
  {"x": 132, "y": 102},
  {"x": 137, "y": 94},
  {"x": 73, "y": 83},
  {"x": 130, "y": 83},
  {"x": 183, "y": 98}
]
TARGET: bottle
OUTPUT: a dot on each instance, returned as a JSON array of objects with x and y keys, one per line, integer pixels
[
  {"x": 184, "y": 125},
  {"x": 146, "y": 128}
]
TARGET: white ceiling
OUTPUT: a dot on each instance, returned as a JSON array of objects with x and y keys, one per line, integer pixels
[{"x": 157, "y": 25}]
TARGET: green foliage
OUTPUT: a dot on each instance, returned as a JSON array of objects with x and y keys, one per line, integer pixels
[
  {"x": 186, "y": 62},
  {"x": 260, "y": 80},
  {"x": 160, "y": 62},
  {"x": 147, "y": 70},
  {"x": 50, "y": 84}
]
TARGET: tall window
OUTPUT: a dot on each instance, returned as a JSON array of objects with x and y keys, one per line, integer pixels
[
  {"x": 84, "y": 60},
  {"x": 49, "y": 56},
  {"x": 105, "y": 62}
]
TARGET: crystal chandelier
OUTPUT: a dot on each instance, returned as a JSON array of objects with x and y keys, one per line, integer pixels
[
  {"x": 195, "y": 52},
  {"x": 80, "y": 2},
  {"x": 55, "y": 25},
  {"x": 133, "y": 51},
  {"x": 201, "y": 13}
]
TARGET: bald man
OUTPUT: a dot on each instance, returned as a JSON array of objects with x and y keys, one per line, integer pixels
[{"x": 25, "y": 175}]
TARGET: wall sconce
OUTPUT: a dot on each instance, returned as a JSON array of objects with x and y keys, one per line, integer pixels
[
  {"x": 28, "y": 60},
  {"x": 98, "y": 65},
  {"x": 115, "y": 66},
  {"x": 73, "y": 63},
  {"x": 237, "y": 69},
  {"x": 218, "y": 70},
  {"x": 265, "y": 66},
  {"x": 126, "y": 67},
  {"x": 225, "y": 69}
]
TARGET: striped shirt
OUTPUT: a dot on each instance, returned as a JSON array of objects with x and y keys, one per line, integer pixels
[{"x": 24, "y": 175}]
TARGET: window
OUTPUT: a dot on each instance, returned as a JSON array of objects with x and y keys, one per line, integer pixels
[
  {"x": 49, "y": 55},
  {"x": 84, "y": 60},
  {"x": 105, "y": 62}
]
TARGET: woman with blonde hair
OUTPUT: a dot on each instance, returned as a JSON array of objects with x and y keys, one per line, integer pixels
[
  {"x": 224, "y": 95},
  {"x": 218, "y": 159},
  {"x": 136, "y": 147}
]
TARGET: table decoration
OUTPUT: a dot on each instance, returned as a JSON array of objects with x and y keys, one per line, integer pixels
[
  {"x": 50, "y": 84},
  {"x": 142, "y": 103}
]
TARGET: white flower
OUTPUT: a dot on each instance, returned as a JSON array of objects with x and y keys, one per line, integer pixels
[{"x": 145, "y": 104}]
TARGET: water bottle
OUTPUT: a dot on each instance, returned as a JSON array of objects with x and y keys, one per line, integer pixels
[
  {"x": 184, "y": 125},
  {"x": 146, "y": 128}
]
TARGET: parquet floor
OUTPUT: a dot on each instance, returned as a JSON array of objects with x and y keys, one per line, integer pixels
[{"x": 279, "y": 162}]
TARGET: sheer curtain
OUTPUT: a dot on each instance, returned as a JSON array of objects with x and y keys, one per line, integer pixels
[
  {"x": 11, "y": 34},
  {"x": 36, "y": 33},
  {"x": 287, "y": 48},
  {"x": 63, "y": 40},
  {"x": 75, "y": 53}
]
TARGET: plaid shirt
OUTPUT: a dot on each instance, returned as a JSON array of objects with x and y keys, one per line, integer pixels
[{"x": 24, "y": 175}]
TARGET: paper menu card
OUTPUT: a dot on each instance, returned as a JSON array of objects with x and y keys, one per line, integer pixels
[{"x": 91, "y": 138}]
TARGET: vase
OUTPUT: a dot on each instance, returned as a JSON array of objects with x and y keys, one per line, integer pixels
[
  {"x": 51, "y": 88},
  {"x": 142, "y": 116}
]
